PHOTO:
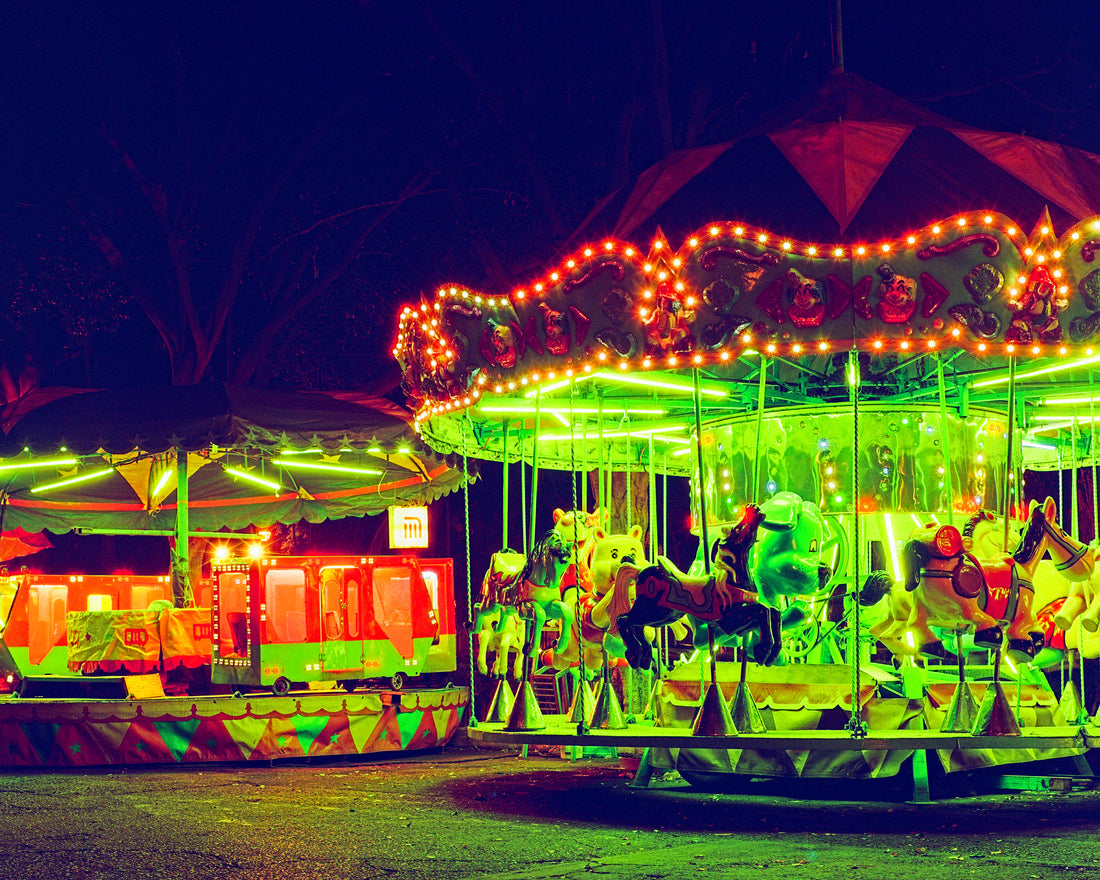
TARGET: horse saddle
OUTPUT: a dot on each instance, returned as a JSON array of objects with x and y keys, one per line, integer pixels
[
  {"x": 696, "y": 595},
  {"x": 504, "y": 571}
]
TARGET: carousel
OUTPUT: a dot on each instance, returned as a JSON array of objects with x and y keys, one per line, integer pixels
[{"x": 878, "y": 583}]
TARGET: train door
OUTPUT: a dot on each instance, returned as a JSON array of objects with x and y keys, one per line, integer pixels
[
  {"x": 233, "y": 641},
  {"x": 341, "y": 619},
  {"x": 392, "y": 605},
  {"x": 47, "y": 605},
  {"x": 9, "y": 590}
]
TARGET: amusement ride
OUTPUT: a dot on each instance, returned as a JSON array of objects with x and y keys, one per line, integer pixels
[{"x": 855, "y": 421}]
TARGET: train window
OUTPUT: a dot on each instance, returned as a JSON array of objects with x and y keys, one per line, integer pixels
[
  {"x": 9, "y": 589},
  {"x": 285, "y": 594},
  {"x": 99, "y": 602},
  {"x": 393, "y": 605},
  {"x": 331, "y": 589},
  {"x": 431, "y": 581},
  {"x": 353, "y": 607},
  {"x": 202, "y": 595},
  {"x": 143, "y": 596},
  {"x": 232, "y": 615}
]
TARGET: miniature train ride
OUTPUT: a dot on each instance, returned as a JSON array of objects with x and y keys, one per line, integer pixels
[
  {"x": 279, "y": 658},
  {"x": 782, "y": 376}
]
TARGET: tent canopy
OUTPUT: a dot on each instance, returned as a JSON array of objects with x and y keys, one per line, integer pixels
[
  {"x": 851, "y": 160},
  {"x": 71, "y": 458}
]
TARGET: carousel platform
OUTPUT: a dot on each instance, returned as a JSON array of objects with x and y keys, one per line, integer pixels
[
  {"x": 67, "y": 733},
  {"x": 802, "y": 729}
]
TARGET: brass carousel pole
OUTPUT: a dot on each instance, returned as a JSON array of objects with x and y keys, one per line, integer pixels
[
  {"x": 500, "y": 706},
  {"x": 995, "y": 715},
  {"x": 743, "y": 710},
  {"x": 526, "y": 714},
  {"x": 713, "y": 717},
  {"x": 856, "y": 726}
]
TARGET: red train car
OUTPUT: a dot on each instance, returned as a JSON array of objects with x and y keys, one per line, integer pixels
[
  {"x": 280, "y": 621},
  {"x": 38, "y": 606},
  {"x": 267, "y": 622}
]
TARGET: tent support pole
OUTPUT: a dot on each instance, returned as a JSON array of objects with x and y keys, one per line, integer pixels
[{"x": 182, "y": 573}]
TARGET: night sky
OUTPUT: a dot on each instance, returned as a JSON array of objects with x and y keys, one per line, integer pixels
[
  {"x": 127, "y": 126},
  {"x": 176, "y": 175}
]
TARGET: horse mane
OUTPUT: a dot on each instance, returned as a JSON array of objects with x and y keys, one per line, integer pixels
[
  {"x": 620, "y": 601},
  {"x": 549, "y": 548},
  {"x": 972, "y": 523},
  {"x": 1033, "y": 537}
]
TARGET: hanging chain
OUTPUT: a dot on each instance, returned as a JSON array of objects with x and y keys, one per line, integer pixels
[
  {"x": 469, "y": 570},
  {"x": 856, "y": 726},
  {"x": 582, "y": 721},
  {"x": 522, "y": 499}
]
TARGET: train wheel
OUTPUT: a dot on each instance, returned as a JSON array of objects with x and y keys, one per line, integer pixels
[
  {"x": 281, "y": 686},
  {"x": 350, "y": 685},
  {"x": 397, "y": 681}
]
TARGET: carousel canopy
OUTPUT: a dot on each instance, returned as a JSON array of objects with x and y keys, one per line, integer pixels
[
  {"x": 72, "y": 458},
  {"x": 601, "y": 358},
  {"x": 852, "y": 160}
]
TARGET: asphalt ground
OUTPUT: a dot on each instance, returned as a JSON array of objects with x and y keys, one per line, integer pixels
[{"x": 464, "y": 813}]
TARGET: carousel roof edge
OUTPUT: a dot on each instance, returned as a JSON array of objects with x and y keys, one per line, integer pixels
[{"x": 974, "y": 283}]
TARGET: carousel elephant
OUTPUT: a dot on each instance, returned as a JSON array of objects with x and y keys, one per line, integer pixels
[{"x": 792, "y": 549}]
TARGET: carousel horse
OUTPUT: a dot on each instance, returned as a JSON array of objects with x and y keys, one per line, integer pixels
[
  {"x": 955, "y": 590},
  {"x": 598, "y": 565},
  {"x": 501, "y": 644},
  {"x": 531, "y": 585},
  {"x": 1067, "y": 614},
  {"x": 723, "y": 600}
]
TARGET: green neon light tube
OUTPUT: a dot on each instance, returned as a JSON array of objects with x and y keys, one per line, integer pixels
[
  {"x": 644, "y": 381},
  {"x": 162, "y": 482},
  {"x": 665, "y": 384},
  {"x": 640, "y": 433},
  {"x": 321, "y": 466},
  {"x": 587, "y": 410},
  {"x": 252, "y": 478},
  {"x": 28, "y": 465},
  {"x": 71, "y": 481},
  {"x": 1068, "y": 401},
  {"x": 1041, "y": 371}
]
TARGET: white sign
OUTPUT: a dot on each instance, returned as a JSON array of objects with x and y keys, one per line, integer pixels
[{"x": 408, "y": 527}]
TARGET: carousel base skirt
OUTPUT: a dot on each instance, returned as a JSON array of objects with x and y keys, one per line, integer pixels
[{"x": 65, "y": 733}]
